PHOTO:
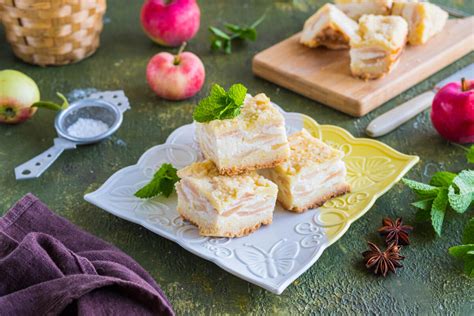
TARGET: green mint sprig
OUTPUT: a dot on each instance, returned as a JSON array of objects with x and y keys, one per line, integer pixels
[
  {"x": 465, "y": 251},
  {"x": 220, "y": 105},
  {"x": 445, "y": 189},
  {"x": 162, "y": 183},
  {"x": 222, "y": 39}
]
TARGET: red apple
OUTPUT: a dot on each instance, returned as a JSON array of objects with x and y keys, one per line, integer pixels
[
  {"x": 18, "y": 93},
  {"x": 452, "y": 112},
  {"x": 175, "y": 77},
  {"x": 170, "y": 22}
]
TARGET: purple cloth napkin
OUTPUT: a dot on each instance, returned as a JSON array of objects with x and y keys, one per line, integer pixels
[{"x": 48, "y": 266}]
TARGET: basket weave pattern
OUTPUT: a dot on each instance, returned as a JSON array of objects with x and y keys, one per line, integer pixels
[{"x": 53, "y": 32}]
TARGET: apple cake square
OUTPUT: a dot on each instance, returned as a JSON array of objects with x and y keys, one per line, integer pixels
[
  {"x": 253, "y": 140},
  {"x": 378, "y": 48},
  {"x": 314, "y": 173},
  {"x": 224, "y": 206},
  {"x": 424, "y": 20},
  {"x": 328, "y": 27}
]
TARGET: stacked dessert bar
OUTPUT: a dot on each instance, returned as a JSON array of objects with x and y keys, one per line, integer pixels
[{"x": 250, "y": 163}]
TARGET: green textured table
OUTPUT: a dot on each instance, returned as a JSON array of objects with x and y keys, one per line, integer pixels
[{"x": 430, "y": 283}]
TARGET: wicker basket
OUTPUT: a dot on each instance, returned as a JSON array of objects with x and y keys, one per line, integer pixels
[{"x": 53, "y": 32}]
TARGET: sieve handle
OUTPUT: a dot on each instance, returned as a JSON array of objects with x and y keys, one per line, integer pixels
[{"x": 35, "y": 167}]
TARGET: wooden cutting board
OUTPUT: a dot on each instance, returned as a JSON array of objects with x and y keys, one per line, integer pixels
[{"x": 324, "y": 75}]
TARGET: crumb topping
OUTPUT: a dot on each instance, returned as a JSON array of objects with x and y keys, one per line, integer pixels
[
  {"x": 306, "y": 150},
  {"x": 220, "y": 188},
  {"x": 256, "y": 111},
  {"x": 377, "y": 30}
]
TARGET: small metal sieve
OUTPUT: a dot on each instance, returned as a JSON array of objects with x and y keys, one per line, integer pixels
[{"x": 107, "y": 107}]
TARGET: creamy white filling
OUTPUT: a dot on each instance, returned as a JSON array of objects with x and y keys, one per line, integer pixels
[
  {"x": 312, "y": 181},
  {"x": 243, "y": 143},
  {"x": 365, "y": 54}
]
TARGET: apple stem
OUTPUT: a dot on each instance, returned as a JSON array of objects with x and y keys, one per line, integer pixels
[
  {"x": 177, "y": 57},
  {"x": 464, "y": 85}
]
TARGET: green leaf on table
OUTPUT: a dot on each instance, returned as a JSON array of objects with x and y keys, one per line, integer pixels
[
  {"x": 248, "y": 34},
  {"x": 424, "y": 205},
  {"x": 438, "y": 210},
  {"x": 466, "y": 252},
  {"x": 217, "y": 32},
  {"x": 461, "y": 251},
  {"x": 470, "y": 154},
  {"x": 216, "y": 44},
  {"x": 461, "y": 191},
  {"x": 442, "y": 179},
  {"x": 421, "y": 189},
  {"x": 220, "y": 105},
  {"x": 163, "y": 182},
  {"x": 234, "y": 28},
  {"x": 222, "y": 40},
  {"x": 445, "y": 188}
]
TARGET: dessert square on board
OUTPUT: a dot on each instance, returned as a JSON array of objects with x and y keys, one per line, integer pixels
[
  {"x": 224, "y": 206},
  {"x": 314, "y": 173},
  {"x": 424, "y": 20},
  {"x": 377, "y": 51},
  {"x": 253, "y": 140},
  {"x": 328, "y": 27}
]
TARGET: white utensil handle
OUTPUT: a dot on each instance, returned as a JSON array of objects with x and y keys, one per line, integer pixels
[
  {"x": 33, "y": 168},
  {"x": 392, "y": 119}
]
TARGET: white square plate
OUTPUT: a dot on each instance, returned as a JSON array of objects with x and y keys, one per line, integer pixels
[{"x": 275, "y": 255}]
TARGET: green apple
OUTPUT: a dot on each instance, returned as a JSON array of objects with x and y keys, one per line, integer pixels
[{"x": 18, "y": 93}]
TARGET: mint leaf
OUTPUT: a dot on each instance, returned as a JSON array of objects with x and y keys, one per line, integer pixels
[
  {"x": 162, "y": 183},
  {"x": 461, "y": 192},
  {"x": 470, "y": 154},
  {"x": 249, "y": 34},
  {"x": 220, "y": 105},
  {"x": 424, "y": 205},
  {"x": 468, "y": 236},
  {"x": 233, "y": 27},
  {"x": 237, "y": 93},
  {"x": 222, "y": 40},
  {"x": 219, "y": 33},
  {"x": 438, "y": 210},
  {"x": 461, "y": 251},
  {"x": 466, "y": 252},
  {"x": 421, "y": 189},
  {"x": 442, "y": 179}
]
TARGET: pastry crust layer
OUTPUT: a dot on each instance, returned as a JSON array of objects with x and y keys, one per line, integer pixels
[
  {"x": 236, "y": 170},
  {"x": 215, "y": 231},
  {"x": 338, "y": 191}
]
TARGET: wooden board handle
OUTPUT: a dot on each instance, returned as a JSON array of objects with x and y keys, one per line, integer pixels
[{"x": 392, "y": 119}]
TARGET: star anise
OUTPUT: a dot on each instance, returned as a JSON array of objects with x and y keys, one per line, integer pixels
[
  {"x": 383, "y": 262},
  {"x": 395, "y": 231}
]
